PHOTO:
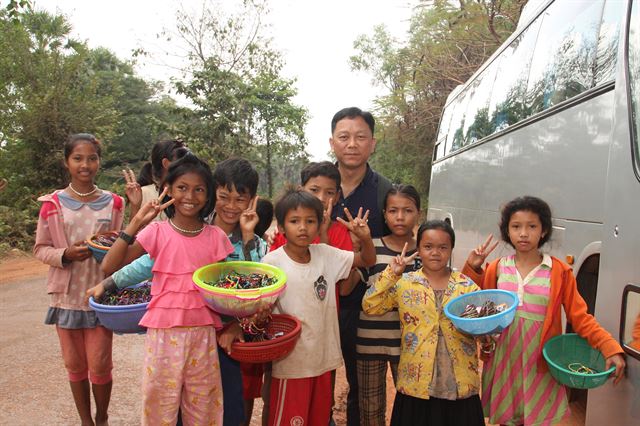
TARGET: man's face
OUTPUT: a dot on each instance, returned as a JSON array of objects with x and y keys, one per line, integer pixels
[{"x": 352, "y": 142}]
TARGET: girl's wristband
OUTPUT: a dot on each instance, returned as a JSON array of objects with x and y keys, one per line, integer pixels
[{"x": 129, "y": 239}]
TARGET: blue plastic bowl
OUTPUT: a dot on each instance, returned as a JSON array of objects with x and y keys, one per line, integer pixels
[
  {"x": 121, "y": 319},
  {"x": 99, "y": 251},
  {"x": 98, "y": 254},
  {"x": 485, "y": 325}
]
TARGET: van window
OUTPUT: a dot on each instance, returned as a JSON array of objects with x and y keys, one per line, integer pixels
[
  {"x": 455, "y": 135},
  {"x": 607, "y": 53},
  {"x": 477, "y": 124},
  {"x": 565, "y": 53},
  {"x": 634, "y": 75},
  {"x": 444, "y": 122},
  {"x": 507, "y": 98}
]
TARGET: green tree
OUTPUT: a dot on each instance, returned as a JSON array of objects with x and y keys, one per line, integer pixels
[
  {"x": 241, "y": 103},
  {"x": 446, "y": 44},
  {"x": 278, "y": 124},
  {"x": 53, "y": 86}
]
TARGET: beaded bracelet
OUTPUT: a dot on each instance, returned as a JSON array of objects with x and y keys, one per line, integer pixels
[{"x": 576, "y": 367}]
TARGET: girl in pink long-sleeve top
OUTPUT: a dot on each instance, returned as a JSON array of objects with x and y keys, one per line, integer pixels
[{"x": 66, "y": 219}]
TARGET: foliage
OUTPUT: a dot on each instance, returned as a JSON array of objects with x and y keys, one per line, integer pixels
[
  {"x": 446, "y": 44},
  {"x": 241, "y": 103},
  {"x": 53, "y": 86}
]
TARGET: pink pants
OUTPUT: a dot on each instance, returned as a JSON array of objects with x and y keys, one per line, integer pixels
[
  {"x": 87, "y": 353},
  {"x": 181, "y": 369},
  {"x": 305, "y": 401}
]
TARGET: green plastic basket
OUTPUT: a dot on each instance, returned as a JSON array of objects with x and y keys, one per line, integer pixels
[
  {"x": 562, "y": 351},
  {"x": 235, "y": 302}
]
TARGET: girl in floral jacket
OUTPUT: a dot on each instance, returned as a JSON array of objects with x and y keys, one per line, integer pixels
[{"x": 438, "y": 378}]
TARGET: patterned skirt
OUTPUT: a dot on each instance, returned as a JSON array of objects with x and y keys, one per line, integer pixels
[{"x": 514, "y": 392}]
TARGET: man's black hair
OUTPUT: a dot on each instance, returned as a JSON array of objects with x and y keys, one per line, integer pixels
[{"x": 353, "y": 112}]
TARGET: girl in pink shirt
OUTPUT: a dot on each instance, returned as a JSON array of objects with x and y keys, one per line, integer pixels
[{"x": 181, "y": 366}]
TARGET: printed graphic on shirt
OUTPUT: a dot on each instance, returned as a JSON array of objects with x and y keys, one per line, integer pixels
[
  {"x": 412, "y": 371},
  {"x": 410, "y": 319},
  {"x": 297, "y": 421},
  {"x": 411, "y": 342},
  {"x": 320, "y": 287},
  {"x": 413, "y": 298}
]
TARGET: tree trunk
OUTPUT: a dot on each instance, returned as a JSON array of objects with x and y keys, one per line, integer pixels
[{"x": 269, "y": 168}]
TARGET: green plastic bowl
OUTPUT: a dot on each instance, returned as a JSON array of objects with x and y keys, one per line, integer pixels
[
  {"x": 239, "y": 303},
  {"x": 566, "y": 349}
]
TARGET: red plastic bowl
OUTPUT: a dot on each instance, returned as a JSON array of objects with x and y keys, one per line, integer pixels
[{"x": 270, "y": 350}]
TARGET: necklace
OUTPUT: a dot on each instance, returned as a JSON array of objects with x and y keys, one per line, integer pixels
[
  {"x": 86, "y": 194},
  {"x": 185, "y": 231}
]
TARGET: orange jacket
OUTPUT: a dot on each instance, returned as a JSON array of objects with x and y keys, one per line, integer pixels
[{"x": 563, "y": 291}]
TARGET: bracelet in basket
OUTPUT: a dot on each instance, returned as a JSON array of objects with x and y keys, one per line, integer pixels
[
  {"x": 249, "y": 327},
  {"x": 576, "y": 367}
]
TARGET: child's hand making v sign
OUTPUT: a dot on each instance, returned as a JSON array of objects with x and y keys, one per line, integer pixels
[
  {"x": 121, "y": 252},
  {"x": 326, "y": 222},
  {"x": 132, "y": 190},
  {"x": 358, "y": 226},
  {"x": 479, "y": 254},
  {"x": 248, "y": 221},
  {"x": 400, "y": 262}
]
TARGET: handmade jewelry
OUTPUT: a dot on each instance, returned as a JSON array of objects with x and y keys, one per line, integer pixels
[
  {"x": 186, "y": 231},
  {"x": 577, "y": 367},
  {"x": 487, "y": 309},
  {"x": 237, "y": 281},
  {"x": 128, "y": 296},
  {"x": 86, "y": 194},
  {"x": 105, "y": 240},
  {"x": 257, "y": 333}
]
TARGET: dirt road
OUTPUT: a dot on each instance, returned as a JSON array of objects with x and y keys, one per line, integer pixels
[{"x": 33, "y": 384}]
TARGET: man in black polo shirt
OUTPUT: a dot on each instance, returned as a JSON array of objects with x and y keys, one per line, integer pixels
[{"x": 352, "y": 142}]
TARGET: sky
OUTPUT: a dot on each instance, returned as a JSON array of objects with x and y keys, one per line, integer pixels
[{"x": 315, "y": 38}]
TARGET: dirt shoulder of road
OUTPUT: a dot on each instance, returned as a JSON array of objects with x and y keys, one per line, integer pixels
[{"x": 17, "y": 265}]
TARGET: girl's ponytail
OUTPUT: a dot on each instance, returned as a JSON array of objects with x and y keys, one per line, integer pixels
[
  {"x": 146, "y": 175},
  {"x": 165, "y": 149}
]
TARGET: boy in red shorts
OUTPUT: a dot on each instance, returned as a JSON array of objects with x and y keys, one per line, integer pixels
[{"x": 301, "y": 391}]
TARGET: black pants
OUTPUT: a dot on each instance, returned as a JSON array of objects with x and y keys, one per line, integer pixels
[
  {"x": 348, "y": 320},
  {"x": 411, "y": 411}
]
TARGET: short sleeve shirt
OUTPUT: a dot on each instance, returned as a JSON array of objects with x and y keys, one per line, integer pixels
[
  {"x": 176, "y": 302},
  {"x": 310, "y": 297}
]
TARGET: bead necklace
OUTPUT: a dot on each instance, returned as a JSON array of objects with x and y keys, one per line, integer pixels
[
  {"x": 86, "y": 194},
  {"x": 185, "y": 231}
]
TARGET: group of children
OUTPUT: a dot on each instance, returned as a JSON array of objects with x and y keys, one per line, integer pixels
[{"x": 211, "y": 216}]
